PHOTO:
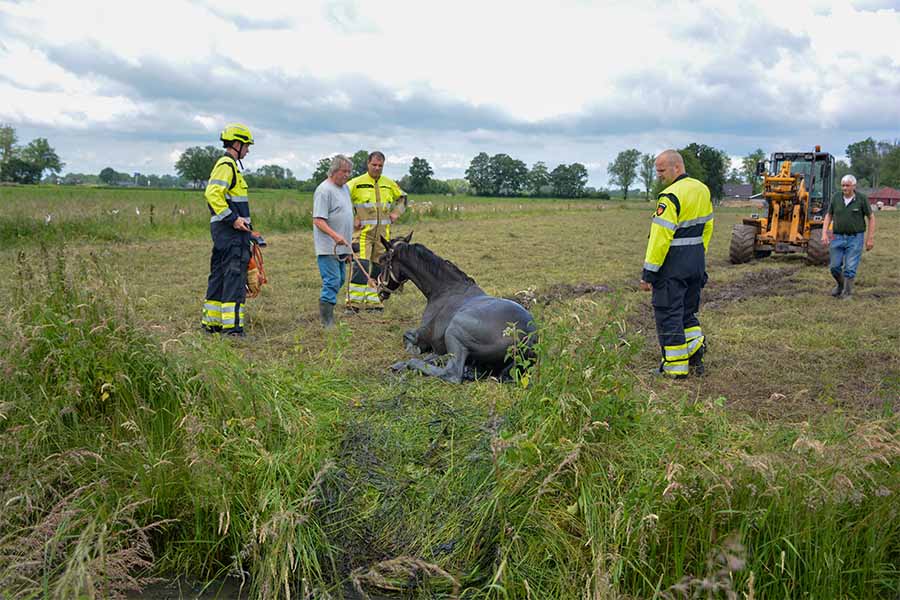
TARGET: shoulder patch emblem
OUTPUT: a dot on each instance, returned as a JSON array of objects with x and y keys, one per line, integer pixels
[{"x": 660, "y": 209}]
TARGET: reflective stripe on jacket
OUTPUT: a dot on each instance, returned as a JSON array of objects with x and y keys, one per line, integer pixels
[
  {"x": 227, "y": 192},
  {"x": 371, "y": 213},
  {"x": 680, "y": 232}
]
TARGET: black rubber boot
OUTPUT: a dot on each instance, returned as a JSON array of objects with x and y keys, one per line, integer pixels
[
  {"x": 695, "y": 362},
  {"x": 326, "y": 314},
  {"x": 839, "y": 288},
  {"x": 848, "y": 288},
  {"x": 661, "y": 373}
]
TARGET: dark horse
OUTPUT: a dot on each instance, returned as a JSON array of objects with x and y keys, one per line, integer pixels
[{"x": 476, "y": 330}]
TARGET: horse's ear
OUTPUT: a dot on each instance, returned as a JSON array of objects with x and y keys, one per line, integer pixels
[
  {"x": 408, "y": 237},
  {"x": 387, "y": 245}
]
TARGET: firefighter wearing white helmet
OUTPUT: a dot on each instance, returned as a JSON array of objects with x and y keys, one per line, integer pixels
[{"x": 229, "y": 225}]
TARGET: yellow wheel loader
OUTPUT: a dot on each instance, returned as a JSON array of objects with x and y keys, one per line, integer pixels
[{"x": 797, "y": 187}]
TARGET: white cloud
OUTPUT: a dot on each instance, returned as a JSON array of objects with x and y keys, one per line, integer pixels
[{"x": 556, "y": 82}]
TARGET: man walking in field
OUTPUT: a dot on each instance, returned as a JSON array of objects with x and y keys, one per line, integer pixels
[
  {"x": 848, "y": 211},
  {"x": 229, "y": 226},
  {"x": 675, "y": 265},
  {"x": 332, "y": 227},
  {"x": 377, "y": 202}
]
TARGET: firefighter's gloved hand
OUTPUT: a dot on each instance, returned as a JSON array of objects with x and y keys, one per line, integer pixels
[{"x": 258, "y": 238}]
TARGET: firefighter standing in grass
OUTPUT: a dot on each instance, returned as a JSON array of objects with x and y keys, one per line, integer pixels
[
  {"x": 229, "y": 225},
  {"x": 675, "y": 265},
  {"x": 377, "y": 202}
]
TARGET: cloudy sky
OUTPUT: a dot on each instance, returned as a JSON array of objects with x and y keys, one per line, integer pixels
[{"x": 131, "y": 84}]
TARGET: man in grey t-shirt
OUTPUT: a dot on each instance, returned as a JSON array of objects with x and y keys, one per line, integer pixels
[{"x": 332, "y": 228}]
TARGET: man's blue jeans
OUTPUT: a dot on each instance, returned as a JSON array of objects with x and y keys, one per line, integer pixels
[
  {"x": 846, "y": 250},
  {"x": 333, "y": 273}
]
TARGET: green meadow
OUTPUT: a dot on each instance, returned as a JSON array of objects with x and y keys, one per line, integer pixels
[{"x": 135, "y": 451}]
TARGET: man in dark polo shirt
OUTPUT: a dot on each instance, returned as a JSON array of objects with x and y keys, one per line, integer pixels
[{"x": 848, "y": 211}]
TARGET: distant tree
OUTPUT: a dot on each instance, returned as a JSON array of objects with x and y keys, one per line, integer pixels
[
  {"x": 692, "y": 165},
  {"x": 108, "y": 176},
  {"x": 321, "y": 172},
  {"x": 420, "y": 173},
  {"x": 538, "y": 179},
  {"x": 16, "y": 170},
  {"x": 79, "y": 178},
  {"x": 458, "y": 186},
  {"x": 273, "y": 171},
  {"x": 8, "y": 141},
  {"x": 568, "y": 181},
  {"x": 509, "y": 176},
  {"x": 623, "y": 170},
  {"x": 841, "y": 168},
  {"x": 647, "y": 173},
  {"x": 865, "y": 160},
  {"x": 748, "y": 169},
  {"x": 39, "y": 153},
  {"x": 890, "y": 168},
  {"x": 359, "y": 163},
  {"x": 170, "y": 181},
  {"x": 715, "y": 165},
  {"x": 196, "y": 163},
  {"x": 437, "y": 186},
  {"x": 735, "y": 176},
  {"x": 479, "y": 175}
]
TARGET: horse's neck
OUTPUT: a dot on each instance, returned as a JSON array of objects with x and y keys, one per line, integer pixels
[{"x": 447, "y": 281}]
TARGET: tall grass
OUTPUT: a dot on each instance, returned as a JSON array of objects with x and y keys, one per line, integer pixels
[
  {"x": 45, "y": 214},
  {"x": 125, "y": 457},
  {"x": 118, "y": 453}
]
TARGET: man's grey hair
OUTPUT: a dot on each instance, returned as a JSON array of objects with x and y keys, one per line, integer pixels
[
  {"x": 848, "y": 179},
  {"x": 337, "y": 162}
]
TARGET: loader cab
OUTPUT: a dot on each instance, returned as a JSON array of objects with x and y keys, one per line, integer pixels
[{"x": 817, "y": 169}]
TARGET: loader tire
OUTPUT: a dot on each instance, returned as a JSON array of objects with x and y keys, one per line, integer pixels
[
  {"x": 816, "y": 252},
  {"x": 743, "y": 239}
]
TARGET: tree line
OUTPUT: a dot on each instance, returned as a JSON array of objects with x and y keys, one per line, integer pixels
[
  {"x": 874, "y": 163},
  {"x": 26, "y": 164},
  {"x": 503, "y": 175},
  {"x": 701, "y": 161}
]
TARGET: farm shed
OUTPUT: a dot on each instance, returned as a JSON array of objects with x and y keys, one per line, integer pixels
[{"x": 886, "y": 195}]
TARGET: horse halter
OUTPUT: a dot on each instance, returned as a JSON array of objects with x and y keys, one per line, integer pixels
[{"x": 387, "y": 276}]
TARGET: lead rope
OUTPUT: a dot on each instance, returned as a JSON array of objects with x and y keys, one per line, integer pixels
[{"x": 369, "y": 281}]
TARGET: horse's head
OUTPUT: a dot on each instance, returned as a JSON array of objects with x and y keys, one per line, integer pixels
[{"x": 391, "y": 278}]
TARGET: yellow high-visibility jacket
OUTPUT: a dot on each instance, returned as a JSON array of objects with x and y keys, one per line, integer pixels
[
  {"x": 227, "y": 192},
  {"x": 373, "y": 215},
  {"x": 680, "y": 232}
]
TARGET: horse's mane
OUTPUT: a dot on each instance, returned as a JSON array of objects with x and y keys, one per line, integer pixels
[{"x": 437, "y": 266}]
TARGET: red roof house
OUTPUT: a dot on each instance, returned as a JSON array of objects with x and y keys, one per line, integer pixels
[{"x": 887, "y": 196}]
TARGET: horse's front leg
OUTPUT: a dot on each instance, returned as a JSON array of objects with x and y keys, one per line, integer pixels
[
  {"x": 453, "y": 371},
  {"x": 430, "y": 358}
]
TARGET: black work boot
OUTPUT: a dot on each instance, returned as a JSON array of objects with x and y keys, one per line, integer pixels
[
  {"x": 839, "y": 288},
  {"x": 848, "y": 288},
  {"x": 660, "y": 372},
  {"x": 695, "y": 362},
  {"x": 326, "y": 314}
]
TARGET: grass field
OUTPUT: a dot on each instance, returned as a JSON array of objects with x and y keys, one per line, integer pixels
[{"x": 133, "y": 447}]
